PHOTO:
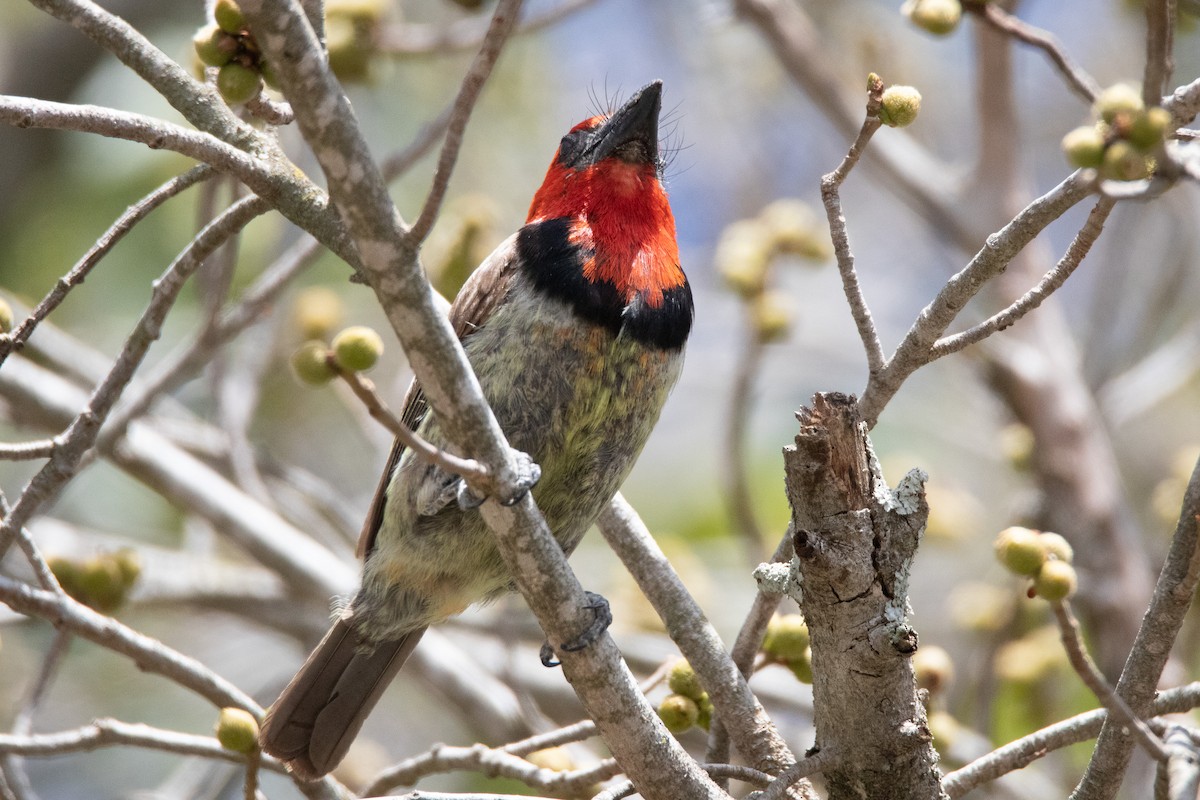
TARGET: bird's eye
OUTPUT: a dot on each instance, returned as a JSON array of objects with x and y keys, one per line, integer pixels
[{"x": 571, "y": 147}]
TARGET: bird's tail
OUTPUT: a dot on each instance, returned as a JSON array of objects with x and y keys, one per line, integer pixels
[{"x": 311, "y": 725}]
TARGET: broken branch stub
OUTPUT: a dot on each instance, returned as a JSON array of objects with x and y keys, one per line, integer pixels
[{"x": 855, "y": 539}]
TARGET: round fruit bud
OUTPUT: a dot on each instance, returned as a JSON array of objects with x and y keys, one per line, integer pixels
[
  {"x": 357, "y": 348},
  {"x": 350, "y": 51},
  {"x": 802, "y": 667},
  {"x": 1117, "y": 102},
  {"x": 214, "y": 46},
  {"x": 317, "y": 311},
  {"x": 1149, "y": 128},
  {"x": 268, "y": 74},
  {"x": 67, "y": 572},
  {"x": 1056, "y": 581},
  {"x": 939, "y": 17},
  {"x": 743, "y": 256},
  {"x": 1020, "y": 550},
  {"x": 237, "y": 730},
  {"x": 901, "y": 104},
  {"x": 1057, "y": 547},
  {"x": 6, "y": 316},
  {"x": 1084, "y": 147},
  {"x": 682, "y": 680},
  {"x": 793, "y": 229},
  {"x": 310, "y": 364},
  {"x": 102, "y": 584},
  {"x": 555, "y": 759},
  {"x": 238, "y": 84},
  {"x": 786, "y": 638},
  {"x": 934, "y": 668},
  {"x": 771, "y": 315},
  {"x": 704, "y": 720},
  {"x": 1123, "y": 162},
  {"x": 229, "y": 16},
  {"x": 678, "y": 713}
]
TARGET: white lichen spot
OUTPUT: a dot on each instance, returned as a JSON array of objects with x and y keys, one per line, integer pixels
[
  {"x": 773, "y": 578},
  {"x": 335, "y": 164},
  {"x": 910, "y": 728},
  {"x": 905, "y": 499}
]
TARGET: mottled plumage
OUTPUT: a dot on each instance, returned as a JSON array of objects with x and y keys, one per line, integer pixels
[{"x": 575, "y": 326}]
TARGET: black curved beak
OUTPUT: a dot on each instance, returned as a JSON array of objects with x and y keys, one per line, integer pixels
[{"x": 630, "y": 134}]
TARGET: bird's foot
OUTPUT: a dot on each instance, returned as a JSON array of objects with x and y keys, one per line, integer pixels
[
  {"x": 601, "y": 619},
  {"x": 525, "y": 475}
]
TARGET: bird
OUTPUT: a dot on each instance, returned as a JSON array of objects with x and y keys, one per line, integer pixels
[{"x": 576, "y": 327}]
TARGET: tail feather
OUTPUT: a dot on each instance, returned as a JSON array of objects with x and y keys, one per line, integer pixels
[{"x": 312, "y": 724}]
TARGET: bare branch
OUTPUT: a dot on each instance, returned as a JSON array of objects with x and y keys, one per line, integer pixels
[
  {"x": 492, "y": 762},
  {"x": 1072, "y": 639},
  {"x": 1075, "y": 76},
  {"x": 751, "y": 729},
  {"x": 830, "y": 185},
  {"x": 81, "y": 434},
  {"x": 503, "y": 21},
  {"x": 264, "y": 169},
  {"x": 1160, "y": 626},
  {"x": 150, "y": 655},
  {"x": 810, "y": 765},
  {"x": 408, "y": 38},
  {"x": 26, "y": 451},
  {"x": 1024, "y": 751},
  {"x": 734, "y": 466},
  {"x": 1001, "y": 247},
  {"x": 475, "y": 474},
  {"x": 76, "y": 275},
  {"x": 1080, "y": 246},
  {"x": 1160, "y": 41},
  {"x": 113, "y": 733}
]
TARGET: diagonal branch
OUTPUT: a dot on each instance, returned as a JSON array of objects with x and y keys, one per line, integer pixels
[
  {"x": 82, "y": 433},
  {"x": 1076, "y": 77}
]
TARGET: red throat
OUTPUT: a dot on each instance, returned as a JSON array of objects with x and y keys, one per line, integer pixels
[{"x": 620, "y": 213}]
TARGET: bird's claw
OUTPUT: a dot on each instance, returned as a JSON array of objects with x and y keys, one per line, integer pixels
[
  {"x": 526, "y": 474},
  {"x": 602, "y": 618}
]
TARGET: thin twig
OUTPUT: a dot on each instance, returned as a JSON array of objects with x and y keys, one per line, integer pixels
[
  {"x": 1148, "y": 656},
  {"x": 254, "y": 762},
  {"x": 997, "y": 253},
  {"x": 717, "y": 771},
  {"x": 1072, "y": 639},
  {"x": 734, "y": 467},
  {"x": 81, "y": 434},
  {"x": 408, "y": 38},
  {"x": 830, "y": 185},
  {"x": 810, "y": 765},
  {"x": 23, "y": 723},
  {"x": 27, "y": 451},
  {"x": 504, "y": 20},
  {"x": 470, "y": 470},
  {"x": 149, "y": 654},
  {"x": 746, "y": 646},
  {"x": 76, "y": 275},
  {"x": 1079, "y": 728},
  {"x": 734, "y": 703},
  {"x": 492, "y": 762},
  {"x": 104, "y": 733},
  {"x": 1080, "y": 246},
  {"x": 1076, "y": 77},
  {"x": 1160, "y": 59}
]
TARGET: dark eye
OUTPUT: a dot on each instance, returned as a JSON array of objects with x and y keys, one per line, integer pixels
[{"x": 571, "y": 147}]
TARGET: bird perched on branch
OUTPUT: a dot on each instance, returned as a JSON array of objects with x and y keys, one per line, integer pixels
[{"x": 576, "y": 327}]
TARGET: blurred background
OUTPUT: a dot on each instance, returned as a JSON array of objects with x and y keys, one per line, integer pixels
[{"x": 742, "y": 134}]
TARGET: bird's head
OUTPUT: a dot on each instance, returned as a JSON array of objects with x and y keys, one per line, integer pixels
[{"x": 605, "y": 179}]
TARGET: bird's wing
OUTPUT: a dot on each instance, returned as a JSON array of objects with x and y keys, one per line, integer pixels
[{"x": 484, "y": 291}]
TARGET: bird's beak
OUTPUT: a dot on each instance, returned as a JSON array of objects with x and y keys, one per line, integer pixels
[{"x": 630, "y": 134}]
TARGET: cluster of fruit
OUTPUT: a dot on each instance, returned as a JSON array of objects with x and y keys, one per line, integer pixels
[
  {"x": 1123, "y": 141},
  {"x": 1045, "y": 557},
  {"x": 688, "y": 705},
  {"x": 227, "y": 45}
]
